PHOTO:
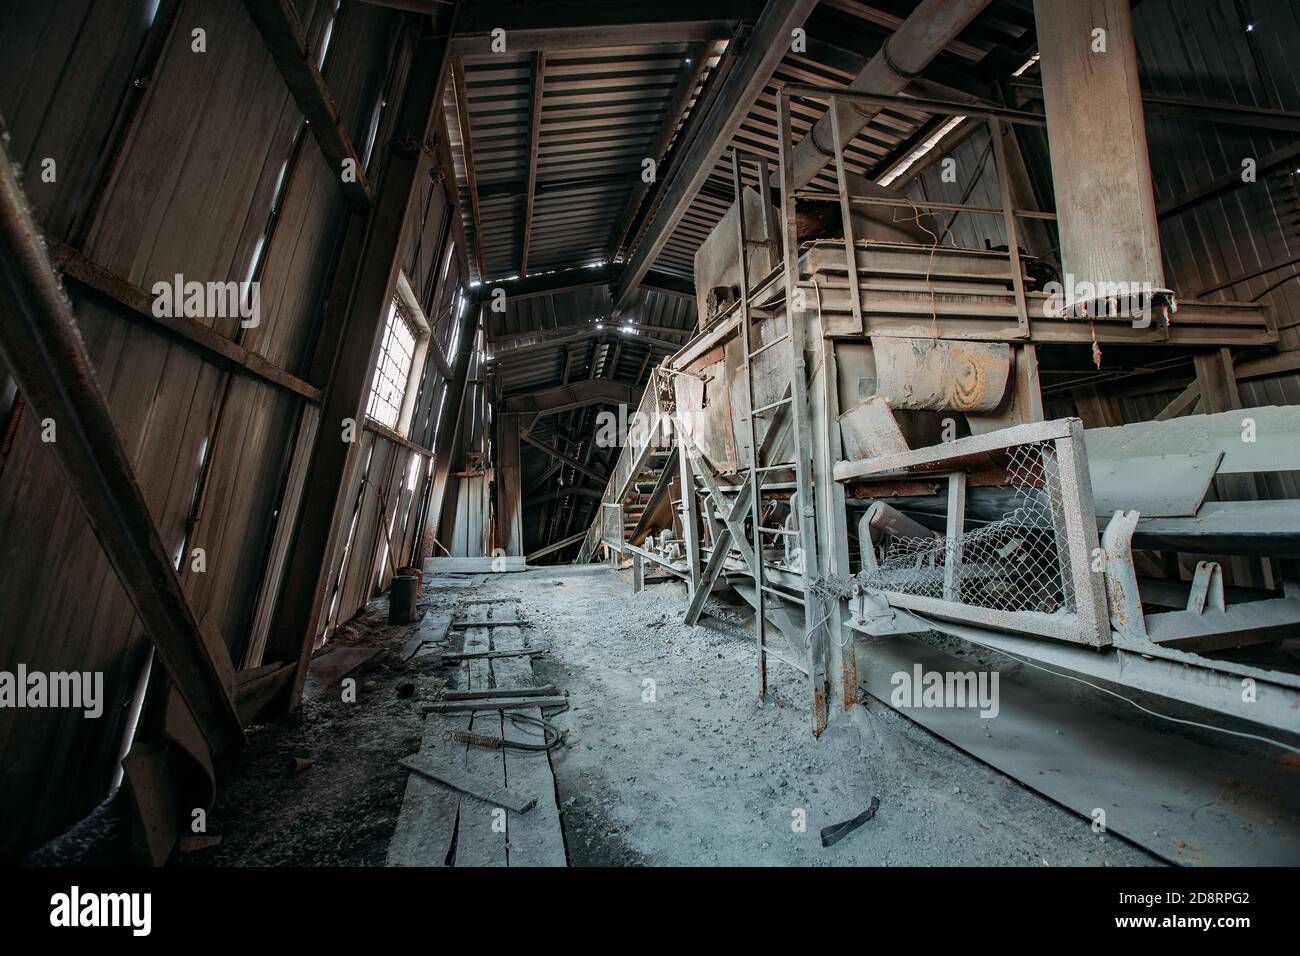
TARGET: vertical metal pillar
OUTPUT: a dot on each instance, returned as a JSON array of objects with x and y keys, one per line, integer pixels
[
  {"x": 846, "y": 213},
  {"x": 756, "y": 507},
  {"x": 690, "y": 517},
  {"x": 996, "y": 132},
  {"x": 795, "y": 313},
  {"x": 1100, "y": 167}
]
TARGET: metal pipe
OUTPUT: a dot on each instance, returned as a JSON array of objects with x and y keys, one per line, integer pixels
[{"x": 918, "y": 40}]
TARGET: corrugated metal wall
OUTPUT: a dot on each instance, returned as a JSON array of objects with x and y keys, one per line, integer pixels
[{"x": 1201, "y": 49}]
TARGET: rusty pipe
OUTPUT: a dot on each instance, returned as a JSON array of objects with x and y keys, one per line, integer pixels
[{"x": 918, "y": 40}]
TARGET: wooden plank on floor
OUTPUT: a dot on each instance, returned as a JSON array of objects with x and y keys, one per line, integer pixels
[
  {"x": 482, "y": 655},
  {"x": 485, "y": 790},
  {"x": 435, "y": 822},
  {"x": 534, "y": 690},
  {"x": 511, "y": 622},
  {"x": 427, "y": 822},
  {"x": 477, "y": 704},
  {"x": 480, "y": 838},
  {"x": 536, "y": 838},
  {"x": 432, "y": 628},
  {"x": 329, "y": 667}
]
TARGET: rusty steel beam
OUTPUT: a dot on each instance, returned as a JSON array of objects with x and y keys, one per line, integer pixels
[
  {"x": 41, "y": 344},
  {"x": 534, "y": 137},
  {"x": 282, "y": 31},
  {"x": 766, "y": 46}
]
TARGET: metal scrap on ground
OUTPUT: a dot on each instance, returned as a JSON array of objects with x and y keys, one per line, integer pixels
[
  {"x": 833, "y": 834},
  {"x": 474, "y": 786}
]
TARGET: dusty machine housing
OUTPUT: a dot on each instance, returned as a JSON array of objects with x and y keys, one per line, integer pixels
[{"x": 907, "y": 479}]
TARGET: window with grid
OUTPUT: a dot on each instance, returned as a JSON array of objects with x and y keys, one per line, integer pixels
[{"x": 393, "y": 370}]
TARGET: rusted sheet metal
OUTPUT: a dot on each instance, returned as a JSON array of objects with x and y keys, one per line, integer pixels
[
  {"x": 893, "y": 489},
  {"x": 991, "y": 474},
  {"x": 717, "y": 261},
  {"x": 940, "y": 375}
]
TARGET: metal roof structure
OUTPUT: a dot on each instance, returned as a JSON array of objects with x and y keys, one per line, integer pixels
[{"x": 554, "y": 123}]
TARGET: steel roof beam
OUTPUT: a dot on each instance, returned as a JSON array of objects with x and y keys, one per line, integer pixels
[
  {"x": 534, "y": 137},
  {"x": 483, "y": 16},
  {"x": 594, "y": 38},
  {"x": 592, "y": 391},
  {"x": 693, "y": 71},
  {"x": 607, "y": 336},
  {"x": 564, "y": 459},
  {"x": 519, "y": 187},
  {"x": 768, "y": 43},
  {"x": 467, "y": 153},
  {"x": 582, "y": 277},
  {"x": 567, "y": 490}
]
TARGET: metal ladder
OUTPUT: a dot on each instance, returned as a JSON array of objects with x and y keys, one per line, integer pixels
[{"x": 795, "y": 403}]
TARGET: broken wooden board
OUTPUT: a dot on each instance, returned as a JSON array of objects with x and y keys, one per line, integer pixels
[
  {"x": 535, "y": 838},
  {"x": 426, "y": 824},
  {"x": 432, "y": 628},
  {"x": 479, "y": 788},
  {"x": 488, "y": 655},
  {"x": 331, "y": 666},
  {"x": 534, "y": 691},
  {"x": 469, "y": 705}
]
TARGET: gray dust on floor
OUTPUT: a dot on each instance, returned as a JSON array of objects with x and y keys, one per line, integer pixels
[{"x": 672, "y": 761}]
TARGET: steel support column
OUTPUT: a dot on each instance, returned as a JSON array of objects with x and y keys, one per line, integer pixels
[{"x": 1100, "y": 169}]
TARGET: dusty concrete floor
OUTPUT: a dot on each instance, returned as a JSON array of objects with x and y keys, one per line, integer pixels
[
  {"x": 700, "y": 775},
  {"x": 703, "y": 775}
]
